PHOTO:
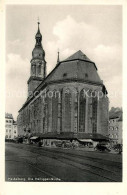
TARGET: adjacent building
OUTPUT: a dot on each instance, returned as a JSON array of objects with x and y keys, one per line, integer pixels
[
  {"x": 64, "y": 104},
  {"x": 115, "y": 126},
  {"x": 10, "y": 127},
  {"x": 15, "y": 130}
]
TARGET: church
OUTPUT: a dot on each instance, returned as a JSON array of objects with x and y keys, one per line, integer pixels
[{"x": 69, "y": 103}]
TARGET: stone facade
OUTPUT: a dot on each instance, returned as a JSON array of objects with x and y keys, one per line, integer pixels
[
  {"x": 115, "y": 130},
  {"x": 69, "y": 103},
  {"x": 10, "y": 127},
  {"x": 57, "y": 109}
]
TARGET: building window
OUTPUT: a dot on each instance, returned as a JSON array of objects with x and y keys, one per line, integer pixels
[
  {"x": 44, "y": 119},
  {"x": 94, "y": 114},
  {"x": 76, "y": 112},
  {"x": 7, "y": 130},
  {"x": 65, "y": 74},
  {"x": 111, "y": 136},
  {"x": 9, "y": 126},
  {"x": 46, "y": 114},
  {"x": 54, "y": 111},
  {"x": 6, "y": 121},
  {"x": 43, "y": 123},
  {"x": 86, "y": 75},
  {"x": 82, "y": 111},
  {"x": 67, "y": 113}
]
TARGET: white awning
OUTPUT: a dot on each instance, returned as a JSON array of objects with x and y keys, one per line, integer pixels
[
  {"x": 34, "y": 137},
  {"x": 86, "y": 140}
]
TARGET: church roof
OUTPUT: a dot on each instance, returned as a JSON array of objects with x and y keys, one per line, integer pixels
[
  {"x": 78, "y": 66},
  {"x": 78, "y": 55}
]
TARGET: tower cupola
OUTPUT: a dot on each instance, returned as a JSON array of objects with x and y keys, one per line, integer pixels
[{"x": 38, "y": 51}]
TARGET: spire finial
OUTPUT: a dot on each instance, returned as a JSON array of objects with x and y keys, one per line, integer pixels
[
  {"x": 38, "y": 23},
  {"x": 38, "y": 20},
  {"x": 38, "y": 36},
  {"x": 58, "y": 57}
]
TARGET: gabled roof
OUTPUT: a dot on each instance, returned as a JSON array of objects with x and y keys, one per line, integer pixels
[
  {"x": 77, "y": 66},
  {"x": 117, "y": 114},
  {"x": 78, "y": 55},
  {"x": 121, "y": 118},
  {"x": 8, "y": 115}
]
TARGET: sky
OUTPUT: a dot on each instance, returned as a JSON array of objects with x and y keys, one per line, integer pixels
[{"x": 96, "y": 30}]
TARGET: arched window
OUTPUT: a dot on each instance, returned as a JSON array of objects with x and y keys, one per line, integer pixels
[
  {"x": 67, "y": 114},
  {"x": 55, "y": 111},
  {"x": 82, "y": 111},
  {"x": 46, "y": 114},
  {"x": 94, "y": 114}
]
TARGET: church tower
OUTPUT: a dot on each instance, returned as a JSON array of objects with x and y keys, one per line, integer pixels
[{"x": 38, "y": 64}]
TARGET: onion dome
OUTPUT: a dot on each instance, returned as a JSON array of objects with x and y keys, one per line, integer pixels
[{"x": 38, "y": 52}]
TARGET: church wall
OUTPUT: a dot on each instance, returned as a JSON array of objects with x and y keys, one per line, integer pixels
[
  {"x": 76, "y": 87},
  {"x": 37, "y": 116},
  {"x": 103, "y": 115},
  {"x": 33, "y": 84}
]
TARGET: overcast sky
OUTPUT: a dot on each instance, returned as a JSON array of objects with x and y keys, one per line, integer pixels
[{"x": 94, "y": 29}]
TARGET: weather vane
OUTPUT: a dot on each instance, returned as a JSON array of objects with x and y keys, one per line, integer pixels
[{"x": 38, "y": 20}]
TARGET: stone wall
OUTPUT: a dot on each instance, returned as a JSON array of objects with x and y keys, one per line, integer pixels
[
  {"x": 37, "y": 115},
  {"x": 103, "y": 115}
]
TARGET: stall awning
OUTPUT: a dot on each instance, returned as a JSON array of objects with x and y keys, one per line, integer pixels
[
  {"x": 34, "y": 137},
  {"x": 85, "y": 140}
]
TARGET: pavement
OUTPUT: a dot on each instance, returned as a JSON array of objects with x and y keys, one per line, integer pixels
[{"x": 30, "y": 163}]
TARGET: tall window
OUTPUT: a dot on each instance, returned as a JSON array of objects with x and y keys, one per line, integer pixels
[
  {"x": 82, "y": 111},
  {"x": 75, "y": 112},
  {"x": 54, "y": 111},
  {"x": 67, "y": 114},
  {"x": 94, "y": 114},
  {"x": 43, "y": 124},
  {"x": 44, "y": 119}
]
